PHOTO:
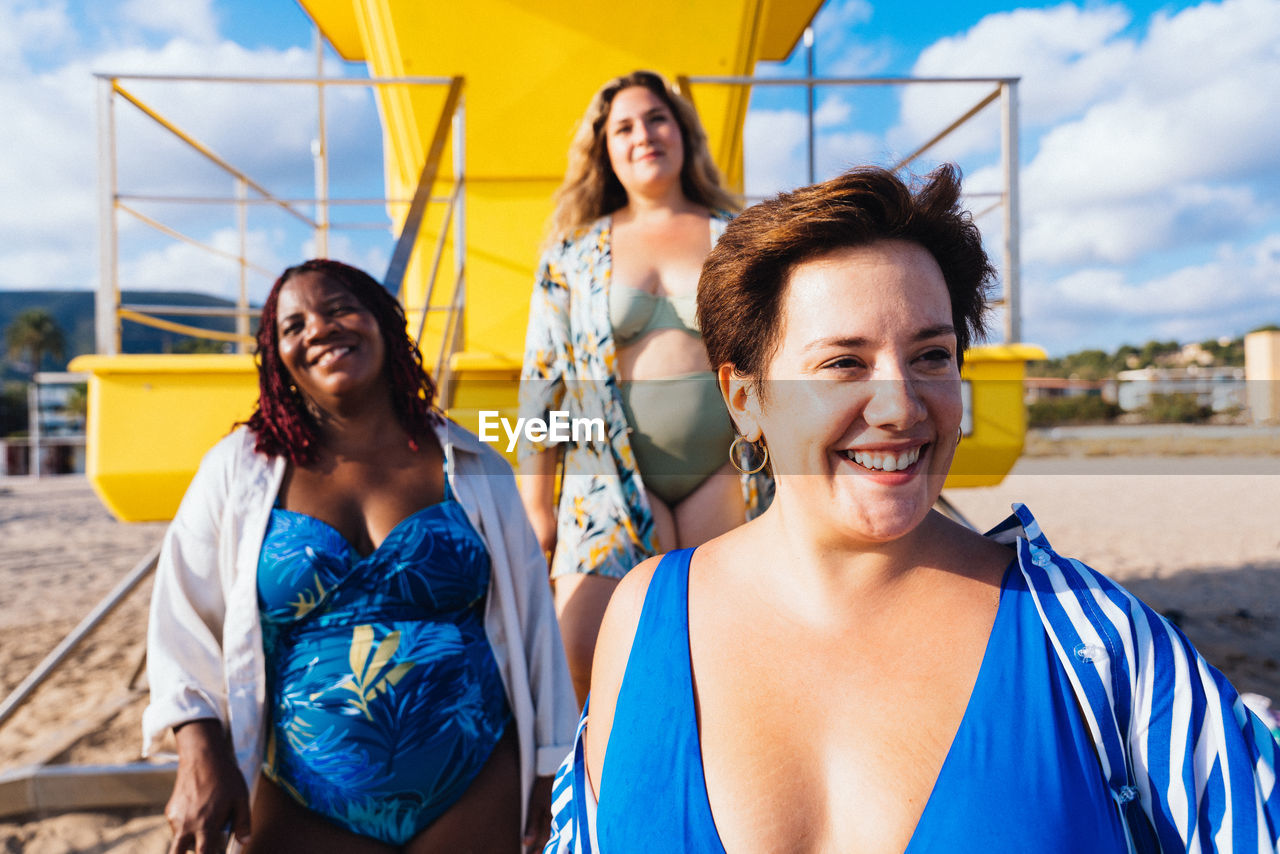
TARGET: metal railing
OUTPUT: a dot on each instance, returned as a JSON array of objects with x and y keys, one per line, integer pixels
[
  {"x": 453, "y": 215},
  {"x": 250, "y": 193},
  {"x": 1005, "y": 90}
]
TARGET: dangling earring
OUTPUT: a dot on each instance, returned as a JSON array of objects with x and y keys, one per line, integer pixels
[
  {"x": 734, "y": 453},
  {"x": 959, "y": 434}
]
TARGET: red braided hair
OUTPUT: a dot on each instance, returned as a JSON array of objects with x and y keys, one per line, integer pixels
[{"x": 281, "y": 423}]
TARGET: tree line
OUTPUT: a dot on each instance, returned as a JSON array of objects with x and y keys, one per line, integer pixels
[{"x": 1101, "y": 364}]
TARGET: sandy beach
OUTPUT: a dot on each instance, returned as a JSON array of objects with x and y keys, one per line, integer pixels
[
  {"x": 63, "y": 552},
  {"x": 1195, "y": 536}
]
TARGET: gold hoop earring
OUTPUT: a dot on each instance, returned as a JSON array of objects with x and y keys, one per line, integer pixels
[{"x": 733, "y": 455}]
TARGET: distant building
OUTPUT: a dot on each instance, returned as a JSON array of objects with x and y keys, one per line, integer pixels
[
  {"x": 1194, "y": 354},
  {"x": 55, "y": 442},
  {"x": 56, "y": 416},
  {"x": 1047, "y": 388},
  {"x": 1221, "y": 389},
  {"x": 58, "y": 455},
  {"x": 1262, "y": 370}
]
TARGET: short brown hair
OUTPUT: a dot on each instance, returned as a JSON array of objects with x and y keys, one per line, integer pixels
[{"x": 744, "y": 277}]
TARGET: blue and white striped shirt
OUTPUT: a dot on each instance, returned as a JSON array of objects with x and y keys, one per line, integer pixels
[{"x": 1188, "y": 766}]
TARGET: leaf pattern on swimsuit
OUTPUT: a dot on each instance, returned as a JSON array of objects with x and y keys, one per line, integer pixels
[{"x": 384, "y": 696}]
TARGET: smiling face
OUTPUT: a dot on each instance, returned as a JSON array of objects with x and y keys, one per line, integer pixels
[
  {"x": 328, "y": 341},
  {"x": 643, "y": 140},
  {"x": 861, "y": 407}
]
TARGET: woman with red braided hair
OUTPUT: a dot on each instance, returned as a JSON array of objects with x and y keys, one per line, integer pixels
[{"x": 351, "y": 628}]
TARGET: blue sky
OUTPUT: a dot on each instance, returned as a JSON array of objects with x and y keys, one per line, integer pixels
[{"x": 1150, "y": 164}]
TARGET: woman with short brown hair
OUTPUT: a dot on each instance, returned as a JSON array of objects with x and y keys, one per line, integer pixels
[{"x": 852, "y": 670}]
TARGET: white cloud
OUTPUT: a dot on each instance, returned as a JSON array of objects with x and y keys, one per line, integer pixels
[
  {"x": 1176, "y": 156},
  {"x": 832, "y": 112},
  {"x": 838, "y": 151},
  {"x": 1132, "y": 143},
  {"x": 1135, "y": 146},
  {"x": 49, "y": 175},
  {"x": 1066, "y": 57},
  {"x": 265, "y": 131},
  {"x": 173, "y": 266},
  {"x": 1233, "y": 38},
  {"x": 1102, "y": 306},
  {"x": 774, "y": 146},
  {"x": 984, "y": 179},
  {"x": 1125, "y": 230},
  {"x": 30, "y": 29},
  {"x": 777, "y": 157},
  {"x": 838, "y": 51},
  {"x": 372, "y": 259},
  {"x": 192, "y": 19},
  {"x": 1140, "y": 145},
  {"x": 183, "y": 267},
  {"x": 837, "y": 17}
]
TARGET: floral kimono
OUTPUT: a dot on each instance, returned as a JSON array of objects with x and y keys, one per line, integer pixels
[{"x": 604, "y": 524}]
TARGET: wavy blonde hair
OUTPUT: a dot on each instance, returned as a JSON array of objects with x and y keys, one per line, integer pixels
[{"x": 591, "y": 189}]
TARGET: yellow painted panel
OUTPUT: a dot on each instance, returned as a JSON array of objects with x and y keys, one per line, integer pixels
[
  {"x": 484, "y": 393},
  {"x": 337, "y": 21},
  {"x": 152, "y": 418},
  {"x": 993, "y": 376},
  {"x": 530, "y": 69},
  {"x": 784, "y": 23},
  {"x": 484, "y": 382}
]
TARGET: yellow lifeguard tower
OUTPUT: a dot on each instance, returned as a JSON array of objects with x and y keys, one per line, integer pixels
[
  {"x": 492, "y": 138},
  {"x": 478, "y": 102}
]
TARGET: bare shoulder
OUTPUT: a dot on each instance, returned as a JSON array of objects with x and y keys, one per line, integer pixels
[
  {"x": 617, "y": 630},
  {"x": 972, "y": 554},
  {"x": 735, "y": 551},
  {"x": 613, "y": 649}
]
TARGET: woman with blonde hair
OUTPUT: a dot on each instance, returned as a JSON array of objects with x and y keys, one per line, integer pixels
[{"x": 613, "y": 335}]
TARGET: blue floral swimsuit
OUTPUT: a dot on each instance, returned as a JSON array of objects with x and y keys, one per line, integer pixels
[{"x": 384, "y": 696}]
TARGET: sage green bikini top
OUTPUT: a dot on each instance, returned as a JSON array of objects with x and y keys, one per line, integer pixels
[{"x": 634, "y": 312}]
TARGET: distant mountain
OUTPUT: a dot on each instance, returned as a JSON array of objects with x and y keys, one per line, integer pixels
[{"x": 73, "y": 311}]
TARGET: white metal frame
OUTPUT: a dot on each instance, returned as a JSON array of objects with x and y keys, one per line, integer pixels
[
  {"x": 109, "y": 310},
  {"x": 1005, "y": 90}
]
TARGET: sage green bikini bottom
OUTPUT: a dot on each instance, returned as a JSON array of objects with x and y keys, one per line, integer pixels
[{"x": 680, "y": 432}]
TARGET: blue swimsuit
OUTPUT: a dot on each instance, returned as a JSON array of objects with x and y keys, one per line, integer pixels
[
  {"x": 384, "y": 696},
  {"x": 1021, "y": 774}
]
